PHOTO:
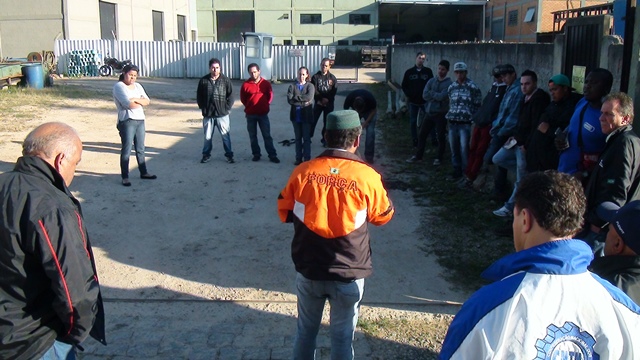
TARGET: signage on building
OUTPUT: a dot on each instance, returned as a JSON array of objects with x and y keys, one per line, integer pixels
[{"x": 296, "y": 52}]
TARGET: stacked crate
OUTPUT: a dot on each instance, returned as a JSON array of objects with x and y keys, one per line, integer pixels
[{"x": 83, "y": 63}]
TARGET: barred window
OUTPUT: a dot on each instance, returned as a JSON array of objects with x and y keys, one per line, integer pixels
[
  {"x": 513, "y": 18},
  {"x": 357, "y": 19},
  {"x": 310, "y": 18}
]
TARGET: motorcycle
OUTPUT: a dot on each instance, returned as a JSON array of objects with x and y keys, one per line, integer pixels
[{"x": 111, "y": 64}]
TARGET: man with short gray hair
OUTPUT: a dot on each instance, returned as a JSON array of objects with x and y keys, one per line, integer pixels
[
  {"x": 49, "y": 287},
  {"x": 616, "y": 177}
]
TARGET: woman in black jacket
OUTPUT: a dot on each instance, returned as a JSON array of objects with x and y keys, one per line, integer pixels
[{"x": 300, "y": 97}]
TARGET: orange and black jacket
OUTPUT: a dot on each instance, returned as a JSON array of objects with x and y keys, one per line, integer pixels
[
  {"x": 330, "y": 200},
  {"x": 48, "y": 284}
]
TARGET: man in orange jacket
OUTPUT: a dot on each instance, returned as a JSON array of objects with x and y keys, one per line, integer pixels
[{"x": 329, "y": 200}]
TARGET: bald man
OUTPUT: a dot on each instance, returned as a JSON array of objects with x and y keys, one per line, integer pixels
[{"x": 49, "y": 287}]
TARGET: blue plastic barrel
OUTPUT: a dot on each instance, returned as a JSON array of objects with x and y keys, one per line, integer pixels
[{"x": 34, "y": 75}]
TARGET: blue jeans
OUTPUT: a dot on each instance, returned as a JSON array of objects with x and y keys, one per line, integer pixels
[
  {"x": 301, "y": 131},
  {"x": 513, "y": 159},
  {"x": 413, "y": 121},
  {"x": 222, "y": 123},
  {"x": 131, "y": 132},
  {"x": 459, "y": 135},
  {"x": 344, "y": 299},
  {"x": 370, "y": 139},
  {"x": 60, "y": 351},
  {"x": 253, "y": 121}
]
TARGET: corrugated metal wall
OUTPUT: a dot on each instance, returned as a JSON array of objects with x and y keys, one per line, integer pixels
[
  {"x": 288, "y": 59},
  {"x": 191, "y": 59}
]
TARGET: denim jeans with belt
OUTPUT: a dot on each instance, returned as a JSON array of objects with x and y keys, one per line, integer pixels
[
  {"x": 222, "y": 123},
  {"x": 344, "y": 299},
  {"x": 262, "y": 121},
  {"x": 131, "y": 132},
  {"x": 459, "y": 135}
]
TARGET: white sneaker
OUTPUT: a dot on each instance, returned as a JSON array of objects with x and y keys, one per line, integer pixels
[
  {"x": 503, "y": 212},
  {"x": 436, "y": 162}
]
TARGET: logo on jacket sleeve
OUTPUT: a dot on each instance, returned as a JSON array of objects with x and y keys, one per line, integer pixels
[{"x": 566, "y": 343}]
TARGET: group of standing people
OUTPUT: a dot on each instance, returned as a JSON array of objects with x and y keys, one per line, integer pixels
[{"x": 309, "y": 98}]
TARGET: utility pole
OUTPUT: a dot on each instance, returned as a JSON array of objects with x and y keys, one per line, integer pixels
[{"x": 628, "y": 60}]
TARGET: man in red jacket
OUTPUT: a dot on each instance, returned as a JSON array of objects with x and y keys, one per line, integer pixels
[{"x": 256, "y": 95}]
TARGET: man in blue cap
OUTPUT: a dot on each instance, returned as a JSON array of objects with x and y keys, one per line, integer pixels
[{"x": 620, "y": 264}]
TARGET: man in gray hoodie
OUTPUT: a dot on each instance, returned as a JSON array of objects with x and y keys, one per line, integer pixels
[{"x": 437, "y": 104}]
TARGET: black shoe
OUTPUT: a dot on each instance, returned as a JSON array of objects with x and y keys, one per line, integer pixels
[
  {"x": 205, "y": 158},
  {"x": 148, "y": 176},
  {"x": 274, "y": 160},
  {"x": 255, "y": 158},
  {"x": 230, "y": 160},
  {"x": 125, "y": 182},
  {"x": 298, "y": 162}
]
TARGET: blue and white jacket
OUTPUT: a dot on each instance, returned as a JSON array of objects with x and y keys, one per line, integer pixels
[{"x": 545, "y": 305}]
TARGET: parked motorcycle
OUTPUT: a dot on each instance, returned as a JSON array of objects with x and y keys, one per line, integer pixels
[{"x": 111, "y": 65}]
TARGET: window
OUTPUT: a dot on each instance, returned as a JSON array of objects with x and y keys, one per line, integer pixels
[
  {"x": 253, "y": 46},
  {"x": 343, "y": 42},
  {"x": 356, "y": 19},
  {"x": 310, "y": 18},
  {"x": 313, "y": 42},
  {"x": 300, "y": 42},
  {"x": 266, "y": 47},
  {"x": 182, "y": 28},
  {"x": 360, "y": 42},
  {"x": 108, "y": 29},
  {"x": 158, "y": 20},
  {"x": 286, "y": 42},
  {"x": 513, "y": 18},
  {"x": 530, "y": 15}
]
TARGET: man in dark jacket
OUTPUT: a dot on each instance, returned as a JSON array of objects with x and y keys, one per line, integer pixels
[
  {"x": 324, "y": 98},
  {"x": 49, "y": 287},
  {"x": 620, "y": 264},
  {"x": 512, "y": 155},
  {"x": 480, "y": 136},
  {"x": 413, "y": 84},
  {"x": 541, "y": 150},
  {"x": 215, "y": 101},
  {"x": 616, "y": 177}
]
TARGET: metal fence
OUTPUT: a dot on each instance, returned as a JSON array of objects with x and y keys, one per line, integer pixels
[{"x": 191, "y": 59}]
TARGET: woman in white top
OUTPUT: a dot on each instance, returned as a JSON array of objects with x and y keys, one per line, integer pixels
[{"x": 130, "y": 98}]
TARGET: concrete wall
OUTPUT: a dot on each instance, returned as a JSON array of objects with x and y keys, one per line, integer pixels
[
  {"x": 479, "y": 57},
  {"x": 544, "y": 59}
]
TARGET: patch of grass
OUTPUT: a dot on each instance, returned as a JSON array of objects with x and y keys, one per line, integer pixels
[
  {"x": 19, "y": 105},
  {"x": 406, "y": 338},
  {"x": 458, "y": 225}
]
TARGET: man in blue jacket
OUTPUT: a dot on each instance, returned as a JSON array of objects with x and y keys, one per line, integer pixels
[{"x": 544, "y": 303}]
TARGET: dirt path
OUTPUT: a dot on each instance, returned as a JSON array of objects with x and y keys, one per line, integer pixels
[{"x": 204, "y": 232}]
